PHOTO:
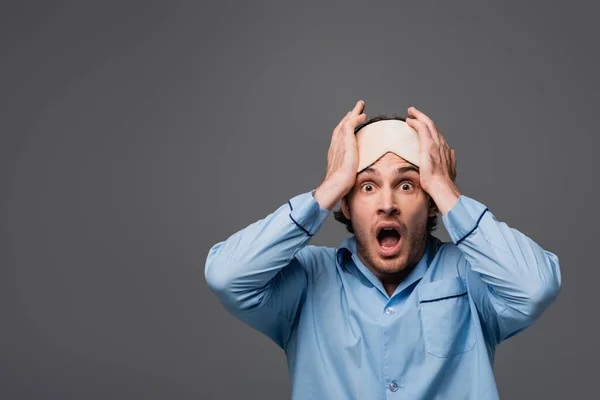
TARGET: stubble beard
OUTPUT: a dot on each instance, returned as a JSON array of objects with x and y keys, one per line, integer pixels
[{"x": 410, "y": 254}]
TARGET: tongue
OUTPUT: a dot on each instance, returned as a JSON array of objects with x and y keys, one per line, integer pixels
[{"x": 389, "y": 241}]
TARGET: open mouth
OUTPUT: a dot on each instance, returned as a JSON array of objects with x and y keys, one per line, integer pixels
[{"x": 389, "y": 241}]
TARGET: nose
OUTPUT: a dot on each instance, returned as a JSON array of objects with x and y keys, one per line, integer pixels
[{"x": 387, "y": 203}]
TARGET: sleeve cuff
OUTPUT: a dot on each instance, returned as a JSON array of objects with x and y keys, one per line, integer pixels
[
  {"x": 463, "y": 218},
  {"x": 306, "y": 212}
]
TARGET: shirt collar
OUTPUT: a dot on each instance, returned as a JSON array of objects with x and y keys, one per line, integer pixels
[{"x": 347, "y": 251}]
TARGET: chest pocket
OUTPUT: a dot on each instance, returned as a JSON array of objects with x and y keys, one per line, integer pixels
[{"x": 446, "y": 317}]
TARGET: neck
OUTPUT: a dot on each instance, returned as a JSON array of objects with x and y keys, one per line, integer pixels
[{"x": 392, "y": 280}]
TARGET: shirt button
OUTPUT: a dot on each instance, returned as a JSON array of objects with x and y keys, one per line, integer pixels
[
  {"x": 393, "y": 386},
  {"x": 389, "y": 311}
]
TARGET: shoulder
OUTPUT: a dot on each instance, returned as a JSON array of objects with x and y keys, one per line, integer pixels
[{"x": 448, "y": 261}]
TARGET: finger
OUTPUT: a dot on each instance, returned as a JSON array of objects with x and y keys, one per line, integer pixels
[
  {"x": 353, "y": 120},
  {"x": 341, "y": 123},
  {"x": 422, "y": 130},
  {"x": 435, "y": 134},
  {"x": 358, "y": 108},
  {"x": 451, "y": 172},
  {"x": 356, "y": 115},
  {"x": 453, "y": 164},
  {"x": 449, "y": 163},
  {"x": 422, "y": 117}
]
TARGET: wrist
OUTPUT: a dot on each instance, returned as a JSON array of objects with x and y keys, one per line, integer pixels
[
  {"x": 445, "y": 194},
  {"x": 329, "y": 193}
]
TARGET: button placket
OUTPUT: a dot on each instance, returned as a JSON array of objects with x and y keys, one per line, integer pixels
[{"x": 388, "y": 311}]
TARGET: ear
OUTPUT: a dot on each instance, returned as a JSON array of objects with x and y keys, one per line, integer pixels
[{"x": 345, "y": 208}]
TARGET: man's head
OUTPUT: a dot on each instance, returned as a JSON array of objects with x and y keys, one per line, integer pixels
[{"x": 388, "y": 192}]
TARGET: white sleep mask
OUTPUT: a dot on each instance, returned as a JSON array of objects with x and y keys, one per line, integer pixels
[{"x": 381, "y": 137}]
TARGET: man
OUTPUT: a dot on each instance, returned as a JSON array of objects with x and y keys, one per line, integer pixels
[{"x": 393, "y": 312}]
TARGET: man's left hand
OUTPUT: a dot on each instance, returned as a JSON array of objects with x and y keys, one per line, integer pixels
[{"x": 437, "y": 164}]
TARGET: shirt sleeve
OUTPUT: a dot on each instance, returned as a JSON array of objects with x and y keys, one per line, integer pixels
[
  {"x": 511, "y": 279},
  {"x": 259, "y": 273}
]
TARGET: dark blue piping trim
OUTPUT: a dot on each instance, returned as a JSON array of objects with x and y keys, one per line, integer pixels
[
  {"x": 443, "y": 297},
  {"x": 299, "y": 226},
  {"x": 476, "y": 225}
]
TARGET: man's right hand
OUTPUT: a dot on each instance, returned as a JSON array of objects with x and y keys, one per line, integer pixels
[{"x": 342, "y": 159}]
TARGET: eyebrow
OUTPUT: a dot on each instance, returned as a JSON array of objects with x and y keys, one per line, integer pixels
[{"x": 399, "y": 171}]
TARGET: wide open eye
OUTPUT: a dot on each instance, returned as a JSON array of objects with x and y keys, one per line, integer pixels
[
  {"x": 368, "y": 185},
  {"x": 406, "y": 186}
]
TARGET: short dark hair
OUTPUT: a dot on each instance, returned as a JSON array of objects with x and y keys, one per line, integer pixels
[{"x": 339, "y": 215}]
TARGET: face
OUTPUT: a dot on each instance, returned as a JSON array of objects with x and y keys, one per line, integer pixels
[{"x": 382, "y": 194}]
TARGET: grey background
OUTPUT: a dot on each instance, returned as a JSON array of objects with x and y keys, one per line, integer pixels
[{"x": 134, "y": 136}]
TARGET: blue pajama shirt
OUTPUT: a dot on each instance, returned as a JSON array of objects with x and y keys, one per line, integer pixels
[{"x": 345, "y": 338}]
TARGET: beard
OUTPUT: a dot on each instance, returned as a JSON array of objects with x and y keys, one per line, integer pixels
[{"x": 411, "y": 251}]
